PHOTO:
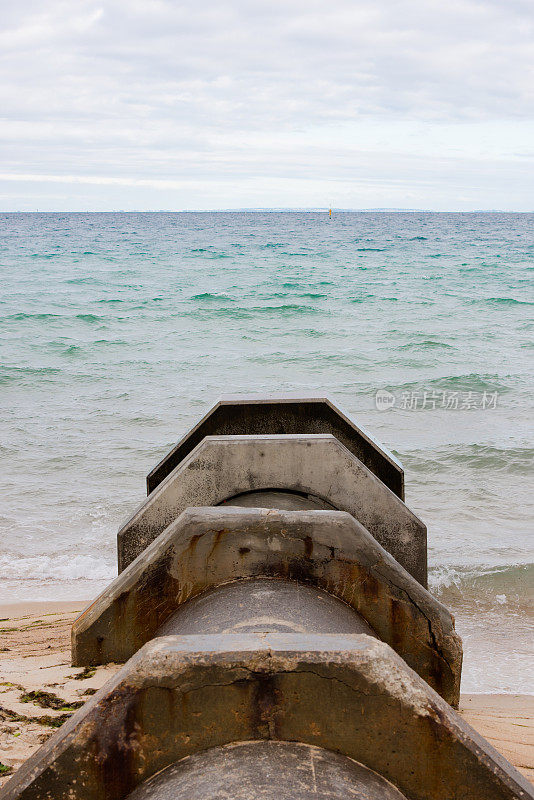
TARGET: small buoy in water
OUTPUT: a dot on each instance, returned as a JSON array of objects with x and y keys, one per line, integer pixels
[{"x": 330, "y": 213}]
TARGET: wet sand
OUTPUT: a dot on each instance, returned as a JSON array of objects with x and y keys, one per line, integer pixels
[{"x": 35, "y": 657}]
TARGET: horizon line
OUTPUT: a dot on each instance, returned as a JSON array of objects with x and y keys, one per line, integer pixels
[{"x": 260, "y": 210}]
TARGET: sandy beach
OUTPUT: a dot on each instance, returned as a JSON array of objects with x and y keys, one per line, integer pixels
[{"x": 39, "y": 689}]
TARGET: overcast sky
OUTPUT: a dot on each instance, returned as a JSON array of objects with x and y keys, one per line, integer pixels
[{"x": 161, "y": 104}]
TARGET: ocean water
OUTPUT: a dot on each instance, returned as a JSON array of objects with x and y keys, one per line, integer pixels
[{"x": 118, "y": 331}]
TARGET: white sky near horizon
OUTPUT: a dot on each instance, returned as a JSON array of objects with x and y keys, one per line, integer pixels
[{"x": 156, "y": 104}]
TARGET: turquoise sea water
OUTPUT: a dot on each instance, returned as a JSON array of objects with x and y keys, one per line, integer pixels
[{"x": 118, "y": 331}]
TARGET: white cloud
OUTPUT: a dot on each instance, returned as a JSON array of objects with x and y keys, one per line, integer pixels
[{"x": 284, "y": 100}]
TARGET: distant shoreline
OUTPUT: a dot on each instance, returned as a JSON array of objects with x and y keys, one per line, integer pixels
[{"x": 277, "y": 211}]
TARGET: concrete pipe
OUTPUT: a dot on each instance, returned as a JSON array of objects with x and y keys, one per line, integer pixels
[{"x": 266, "y": 770}]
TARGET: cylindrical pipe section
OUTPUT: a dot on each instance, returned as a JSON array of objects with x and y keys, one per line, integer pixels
[
  {"x": 272, "y": 498},
  {"x": 264, "y": 605},
  {"x": 266, "y": 770}
]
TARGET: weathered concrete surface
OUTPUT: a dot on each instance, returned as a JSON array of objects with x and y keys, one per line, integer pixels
[
  {"x": 264, "y": 605},
  {"x": 260, "y": 415},
  {"x": 349, "y": 694},
  {"x": 266, "y": 770},
  {"x": 222, "y": 467},
  {"x": 207, "y": 547}
]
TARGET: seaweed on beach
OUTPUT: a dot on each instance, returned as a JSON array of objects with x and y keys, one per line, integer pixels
[
  {"x": 49, "y": 700},
  {"x": 87, "y": 672},
  {"x": 47, "y": 720},
  {"x": 54, "y": 722}
]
